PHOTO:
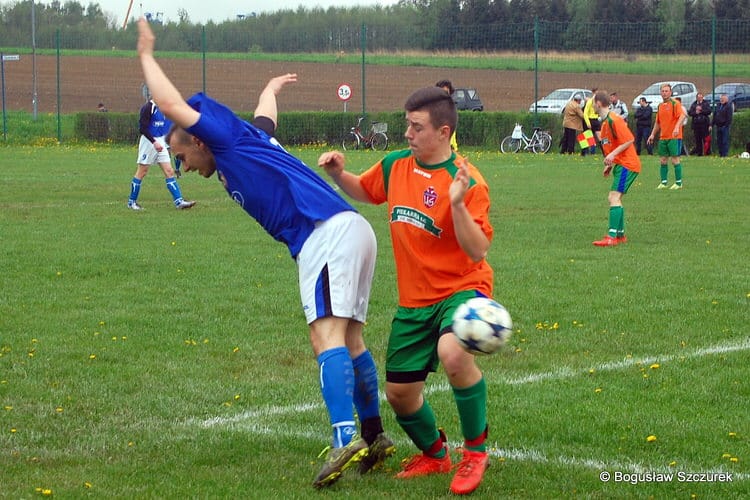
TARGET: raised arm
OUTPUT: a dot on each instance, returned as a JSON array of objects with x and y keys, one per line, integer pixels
[
  {"x": 163, "y": 92},
  {"x": 267, "y": 99}
]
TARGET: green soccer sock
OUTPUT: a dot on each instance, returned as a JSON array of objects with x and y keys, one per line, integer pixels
[
  {"x": 421, "y": 427},
  {"x": 621, "y": 222},
  {"x": 663, "y": 172},
  {"x": 615, "y": 220},
  {"x": 472, "y": 411},
  {"x": 678, "y": 174}
]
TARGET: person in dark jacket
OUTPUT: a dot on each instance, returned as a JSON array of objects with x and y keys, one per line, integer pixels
[
  {"x": 700, "y": 112},
  {"x": 721, "y": 122},
  {"x": 643, "y": 116}
]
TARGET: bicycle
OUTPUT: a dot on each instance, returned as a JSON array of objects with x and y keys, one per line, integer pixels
[
  {"x": 375, "y": 138},
  {"x": 539, "y": 142}
]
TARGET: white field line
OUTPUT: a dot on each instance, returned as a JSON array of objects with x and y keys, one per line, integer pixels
[{"x": 248, "y": 421}]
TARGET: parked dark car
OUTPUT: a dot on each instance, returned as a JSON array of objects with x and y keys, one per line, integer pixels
[
  {"x": 467, "y": 99},
  {"x": 738, "y": 94}
]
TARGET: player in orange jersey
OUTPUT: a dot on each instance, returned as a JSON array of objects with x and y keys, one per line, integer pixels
[
  {"x": 669, "y": 121},
  {"x": 622, "y": 161},
  {"x": 438, "y": 206}
]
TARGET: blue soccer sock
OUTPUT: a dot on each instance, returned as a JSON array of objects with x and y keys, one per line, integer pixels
[
  {"x": 337, "y": 387},
  {"x": 366, "y": 397},
  {"x": 174, "y": 189},
  {"x": 135, "y": 189}
]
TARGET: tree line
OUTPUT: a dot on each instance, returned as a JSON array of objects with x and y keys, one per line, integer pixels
[{"x": 653, "y": 26}]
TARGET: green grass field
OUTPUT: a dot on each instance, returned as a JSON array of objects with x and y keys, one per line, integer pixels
[{"x": 163, "y": 354}]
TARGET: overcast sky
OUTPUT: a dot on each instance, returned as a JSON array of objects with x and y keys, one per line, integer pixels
[{"x": 201, "y": 11}]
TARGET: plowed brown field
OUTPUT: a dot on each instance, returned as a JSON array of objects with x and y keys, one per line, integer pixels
[{"x": 85, "y": 81}]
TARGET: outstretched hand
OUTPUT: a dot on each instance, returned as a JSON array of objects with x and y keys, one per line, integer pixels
[
  {"x": 146, "y": 38},
  {"x": 275, "y": 84}
]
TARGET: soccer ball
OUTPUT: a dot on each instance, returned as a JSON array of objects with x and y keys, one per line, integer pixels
[
  {"x": 481, "y": 325},
  {"x": 745, "y": 155}
]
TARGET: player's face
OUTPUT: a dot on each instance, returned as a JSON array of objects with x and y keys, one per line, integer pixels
[
  {"x": 194, "y": 156},
  {"x": 425, "y": 141},
  {"x": 666, "y": 92}
]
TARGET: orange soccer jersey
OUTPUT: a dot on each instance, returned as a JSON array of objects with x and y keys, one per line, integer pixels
[
  {"x": 430, "y": 264},
  {"x": 668, "y": 115},
  {"x": 615, "y": 132}
]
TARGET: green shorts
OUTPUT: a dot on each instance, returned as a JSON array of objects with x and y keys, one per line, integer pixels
[
  {"x": 670, "y": 147},
  {"x": 622, "y": 178},
  {"x": 412, "y": 346}
]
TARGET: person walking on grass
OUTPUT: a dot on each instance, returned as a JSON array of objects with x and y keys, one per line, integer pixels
[
  {"x": 670, "y": 117},
  {"x": 438, "y": 206},
  {"x": 152, "y": 148},
  {"x": 333, "y": 246},
  {"x": 621, "y": 161}
]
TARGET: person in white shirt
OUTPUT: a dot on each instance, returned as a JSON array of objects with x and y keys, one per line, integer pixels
[{"x": 618, "y": 106}]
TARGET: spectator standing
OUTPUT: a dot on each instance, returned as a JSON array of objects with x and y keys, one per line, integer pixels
[
  {"x": 643, "y": 118},
  {"x": 670, "y": 117},
  {"x": 591, "y": 121},
  {"x": 448, "y": 87},
  {"x": 618, "y": 106},
  {"x": 572, "y": 124},
  {"x": 722, "y": 121},
  {"x": 700, "y": 112}
]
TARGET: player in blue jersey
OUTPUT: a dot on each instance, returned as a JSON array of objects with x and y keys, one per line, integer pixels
[
  {"x": 333, "y": 245},
  {"x": 152, "y": 148}
]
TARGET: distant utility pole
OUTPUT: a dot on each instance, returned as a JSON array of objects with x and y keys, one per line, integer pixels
[{"x": 34, "y": 102}]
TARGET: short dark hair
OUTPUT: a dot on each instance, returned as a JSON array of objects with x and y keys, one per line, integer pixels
[
  {"x": 602, "y": 98},
  {"x": 446, "y": 84},
  {"x": 437, "y": 103}
]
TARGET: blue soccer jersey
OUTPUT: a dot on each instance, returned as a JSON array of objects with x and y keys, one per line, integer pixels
[
  {"x": 152, "y": 122},
  {"x": 278, "y": 190}
]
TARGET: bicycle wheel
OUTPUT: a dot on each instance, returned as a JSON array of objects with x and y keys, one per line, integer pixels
[
  {"x": 379, "y": 141},
  {"x": 543, "y": 142},
  {"x": 510, "y": 145},
  {"x": 350, "y": 142}
]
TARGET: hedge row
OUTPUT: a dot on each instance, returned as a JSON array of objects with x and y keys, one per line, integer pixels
[{"x": 475, "y": 129}]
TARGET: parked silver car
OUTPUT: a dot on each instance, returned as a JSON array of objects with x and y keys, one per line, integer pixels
[{"x": 556, "y": 100}]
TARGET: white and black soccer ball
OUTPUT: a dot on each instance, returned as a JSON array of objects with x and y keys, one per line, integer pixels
[{"x": 481, "y": 325}]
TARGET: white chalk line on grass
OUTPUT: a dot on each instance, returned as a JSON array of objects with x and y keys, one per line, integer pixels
[
  {"x": 563, "y": 373},
  {"x": 558, "y": 374},
  {"x": 248, "y": 421}
]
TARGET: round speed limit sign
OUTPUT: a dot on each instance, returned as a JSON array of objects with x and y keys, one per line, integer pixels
[{"x": 344, "y": 92}]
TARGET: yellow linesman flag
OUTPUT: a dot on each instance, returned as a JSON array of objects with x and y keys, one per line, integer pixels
[{"x": 586, "y": 139}]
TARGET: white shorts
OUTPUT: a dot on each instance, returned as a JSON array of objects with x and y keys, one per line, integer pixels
[
  {"x": 147, "y": 153},
  {"x": 336, "y": 265}
]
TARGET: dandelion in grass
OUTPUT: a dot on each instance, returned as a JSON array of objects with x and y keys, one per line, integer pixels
[
  {"x": 672, "y": 463},
  {"x": 732, "y": 434},
  {"x": 651, "y": 438},
  {"x": 655, "y": 366},
  {"x": 726, "y": 455},
  {"x": 59, "y": 409},
  {"x": 734, "y": 460},
  {"x": 87, "y": 485},
  {"x": 597, "y": 390},
  {"x": 92, "y": 356}
]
